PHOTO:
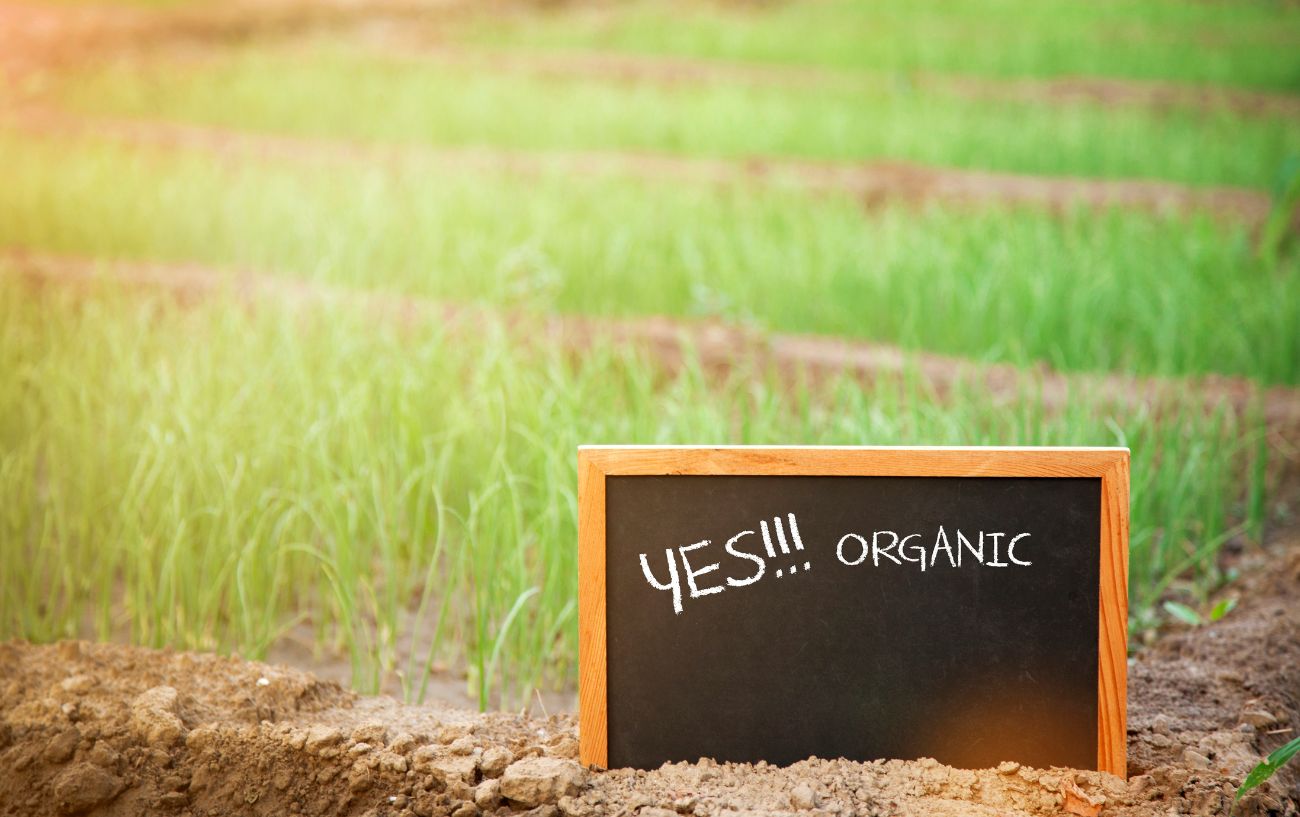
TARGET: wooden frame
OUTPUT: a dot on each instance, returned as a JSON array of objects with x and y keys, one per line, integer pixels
[{"x": 1110, "y": 464}]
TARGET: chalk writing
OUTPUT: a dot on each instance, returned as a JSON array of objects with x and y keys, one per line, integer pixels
[{"x": 781, "y": 541}]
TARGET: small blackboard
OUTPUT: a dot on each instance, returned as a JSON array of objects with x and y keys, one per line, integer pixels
[{"x": 755, "y": 603}]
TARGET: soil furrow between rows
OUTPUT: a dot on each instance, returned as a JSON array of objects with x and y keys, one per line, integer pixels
[
  {"x": 874, "y": 184},
  {"x": 718, "y": 347},
  {"x": 672, "y": 71},
  {"x": 33, "y": 38}
]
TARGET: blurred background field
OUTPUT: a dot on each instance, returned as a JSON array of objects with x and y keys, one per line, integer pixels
[{"x": 1099, "y": 195}]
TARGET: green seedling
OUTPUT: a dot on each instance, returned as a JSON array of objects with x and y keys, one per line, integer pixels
[
  {"x": 1225, "y": 606},
  {"x": 1268, "y": 767},
  {"x": 1183, "y": 613},
  {"x": 1187, "y": 615}
]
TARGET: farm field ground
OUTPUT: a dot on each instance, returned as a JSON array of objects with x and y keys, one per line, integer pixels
[{"x": 305, "y": 307}]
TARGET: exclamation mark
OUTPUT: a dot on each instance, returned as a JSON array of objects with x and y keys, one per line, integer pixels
[
  {"x": 767, "y": 539},
  {"x": 780, "y": 534},
  {"x": 794, "y": 532}
]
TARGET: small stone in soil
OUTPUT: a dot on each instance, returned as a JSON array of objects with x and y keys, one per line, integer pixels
[
  {"x": 564, "y": 746},
  {"x": 173, "y": 800},
  {"x": 1258, "y": 718},
  {"x": 402, "y": 743},
  {"x": 320, "y": 738},
  {"x": 495, "y": 760},
  {"x": 1077, "y": 801},
  {"x": 1161, "y": 724},
  {"x": 487, "y": 795},
  {"x": 538, "y": 780},
  {"x": 376, "y": 734},
  {"x": 1195, "y": 759},
  {"x": 82, "y": 787},
  {"x": 447, "y": 770},
  {"x": 61, "y": 748},
  {"x": 803, "y": 797},
  {"x": 154, "y": 718}
]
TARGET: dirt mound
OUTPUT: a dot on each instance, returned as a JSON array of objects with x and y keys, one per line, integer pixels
[
  {"x": 114, "y": 730},
  {"x": 120, "y": 730}
]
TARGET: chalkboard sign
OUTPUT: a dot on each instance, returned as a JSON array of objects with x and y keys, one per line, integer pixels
[{"x": 756, "y": 603}]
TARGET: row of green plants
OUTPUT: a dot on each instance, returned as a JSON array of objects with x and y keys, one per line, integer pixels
[
  {"x": 1246, "y": 44},
  {"x": 318, "y": 91},
  {"x": 213, "y": 477},
  {"x": 1115, "y": 290}
]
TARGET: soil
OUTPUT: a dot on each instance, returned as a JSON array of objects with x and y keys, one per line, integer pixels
[{"x": 114, "y": 730}]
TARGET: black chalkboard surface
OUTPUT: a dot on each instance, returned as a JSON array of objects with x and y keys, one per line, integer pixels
[{"x": 758, "y": 616}]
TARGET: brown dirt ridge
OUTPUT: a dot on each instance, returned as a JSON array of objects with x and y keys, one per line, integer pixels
[
  {"x": 716, "y": 346},
  {"x": 874, "y": 184},
  {"x": 114, "y": 730},
  {"x": 39, "y": 37}
]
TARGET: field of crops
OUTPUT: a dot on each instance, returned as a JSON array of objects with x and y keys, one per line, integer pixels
[{"x": 209, "y": 472}]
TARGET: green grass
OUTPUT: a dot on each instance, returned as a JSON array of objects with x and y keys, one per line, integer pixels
[
  {"x": 209, "y": 478},
  {"x": 1251, "y": 43},
  {"x": 1109, "y": 291},
  {"x": 330, "y": 91}
]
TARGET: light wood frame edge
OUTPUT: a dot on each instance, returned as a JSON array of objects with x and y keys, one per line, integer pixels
[
  {"x": 593, "y": 729},
  {"x": 1112, "y": 620},
  {"x": 1110, "y": 464}
]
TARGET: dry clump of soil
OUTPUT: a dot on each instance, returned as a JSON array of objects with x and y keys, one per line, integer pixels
[{"x": 108, "y": 729}]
